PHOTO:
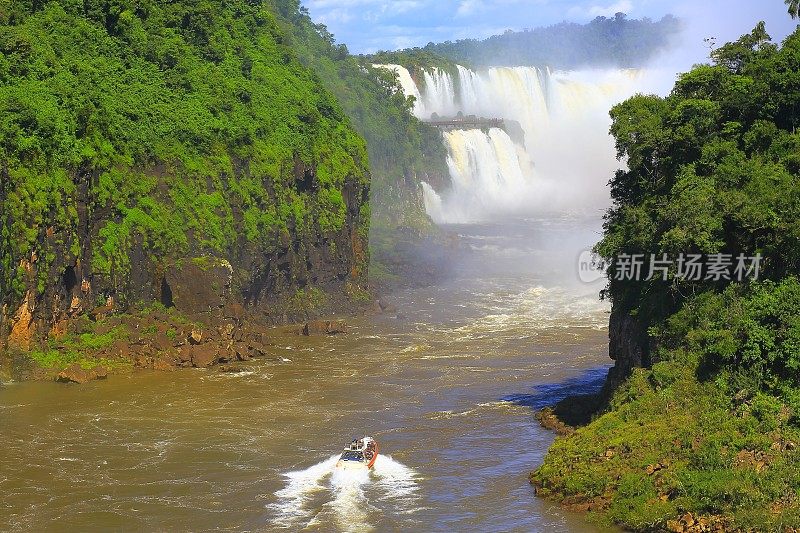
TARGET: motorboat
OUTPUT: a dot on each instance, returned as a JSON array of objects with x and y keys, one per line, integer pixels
[{"x": 359, "y": 454}]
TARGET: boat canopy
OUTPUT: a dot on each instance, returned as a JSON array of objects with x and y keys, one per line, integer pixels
[{"x": 352, "y": 455}]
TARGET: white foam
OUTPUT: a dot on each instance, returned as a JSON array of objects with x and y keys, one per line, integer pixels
[
  {"x": 346, "y": 494},
  {"x": 541, "y": 308},
  {"x": 567, "y": 155},
  {"x": 300, "y": 486}
]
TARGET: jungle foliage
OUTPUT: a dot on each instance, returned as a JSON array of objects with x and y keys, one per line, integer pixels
[
  {"x": 402, "y": 149},
  {"x": 712, "y": 428},
  {"x": 182, "y": 123}
]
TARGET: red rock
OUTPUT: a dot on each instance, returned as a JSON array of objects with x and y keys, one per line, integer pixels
[
  {"x": 204, "y": 356},
  {"x": 23, "y": 326},
  {"x": 121, "y": 348},
  {"x": 185, "y": 355},
  {"x": 227, "y": 355},
  {"x": 142, "y": 361},
  {"x": 163, "y": 343},
  {"x": 164, "y": 364},
  {"x": 196, "y": 336}
]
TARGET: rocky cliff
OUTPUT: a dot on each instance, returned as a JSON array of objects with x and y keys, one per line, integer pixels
[
  {"x": 628, "y": 346},
  {"x": 170, "y": 153}
]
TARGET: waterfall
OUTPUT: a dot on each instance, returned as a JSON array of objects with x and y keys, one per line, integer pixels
[
  {"x": 568, "y": 155},
  {"x": 439, "y": 95},
  {"x": 486, "y": 170}
]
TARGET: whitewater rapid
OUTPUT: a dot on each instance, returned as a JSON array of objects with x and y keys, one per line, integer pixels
[
  {"x": 323, "y": 494},
  {"x": 562, "y": 161}
]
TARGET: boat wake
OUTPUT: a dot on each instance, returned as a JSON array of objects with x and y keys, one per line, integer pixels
[{"x": 322, "y": 497}]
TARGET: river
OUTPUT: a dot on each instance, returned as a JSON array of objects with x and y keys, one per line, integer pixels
[{"x": 447, "y": 387}]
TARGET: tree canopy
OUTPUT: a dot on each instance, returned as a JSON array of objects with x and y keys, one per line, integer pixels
[
  {"x": 604, "y": 42},
  {"x": 712, "y": 168},
  {"x": 184, "y": 125}
]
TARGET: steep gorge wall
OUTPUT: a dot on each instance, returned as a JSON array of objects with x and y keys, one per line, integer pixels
[{"x": 152, "y": 150}]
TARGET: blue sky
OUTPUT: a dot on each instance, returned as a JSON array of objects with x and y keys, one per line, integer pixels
[{"x": 371, "y": 25}]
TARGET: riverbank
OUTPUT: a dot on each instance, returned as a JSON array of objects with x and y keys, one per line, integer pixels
[
  {"x": 702, "y": 433},
  {"x": 163, "y": 339},
  {"x": 106, "y": 341},
  {"x": 672, "y": 453}
]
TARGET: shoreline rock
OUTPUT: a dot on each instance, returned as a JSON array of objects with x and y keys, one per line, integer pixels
[
  {"x": 75, "y": 373},
  {"x": 324, "y": 327},
  {"x": 158, "y": 340}
]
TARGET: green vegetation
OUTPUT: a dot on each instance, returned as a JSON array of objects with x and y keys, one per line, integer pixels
[
  {"x": 713, "y": 427},
  {"x": 402, "y": 150},
  {"x": 357, "y": 294},
  {"x": 712, "y": 168},
  {"x": 712, "y": 430},
  {"x": 794, "y": 8},
  {"x": 307, "y": 300},
  {"x": 617, "y": 41},
  {"x": 416, "y": 59},
  {"x": 77, "y": 348},
  {"x": 180, "y": 127}
]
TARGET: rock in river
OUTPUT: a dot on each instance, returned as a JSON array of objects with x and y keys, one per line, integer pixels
[
  {"x": 324, "y": 327},
  {"x": 75, "y": 373}
]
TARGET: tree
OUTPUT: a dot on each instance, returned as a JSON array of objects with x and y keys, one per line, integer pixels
[
  {"x": 794, "y": 8},
  {"x": 734, "y": 56}
]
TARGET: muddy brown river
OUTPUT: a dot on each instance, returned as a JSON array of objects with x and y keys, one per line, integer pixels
[{"x": 448, "y": 389}]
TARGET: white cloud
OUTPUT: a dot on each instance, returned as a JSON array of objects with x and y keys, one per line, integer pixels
[
  {"x": 375, "y": 7},
  {"x": 402, "y": 41},
  {"x": 469, "y": 7},
  {"x": 403, "y": 6},
  {"x": 624, "y": 6}
]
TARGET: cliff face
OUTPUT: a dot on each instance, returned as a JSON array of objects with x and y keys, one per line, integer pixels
[
  {"x": 174, "y": 153},
  {"x": 59, "y": 284},
  {"x": 628, "y": 346},
  {"x": 403, "y": 151}
]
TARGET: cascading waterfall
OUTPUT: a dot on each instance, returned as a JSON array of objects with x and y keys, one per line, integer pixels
[
  {"x": 567, "y": 157},
  {"x": 485, "y": 167}
]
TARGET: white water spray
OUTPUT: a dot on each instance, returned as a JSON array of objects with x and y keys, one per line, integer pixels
[
  {"x": 486, "y": 170},
  {"x": 565, "y": 160},
  {"x": 324, "y": 494}
]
